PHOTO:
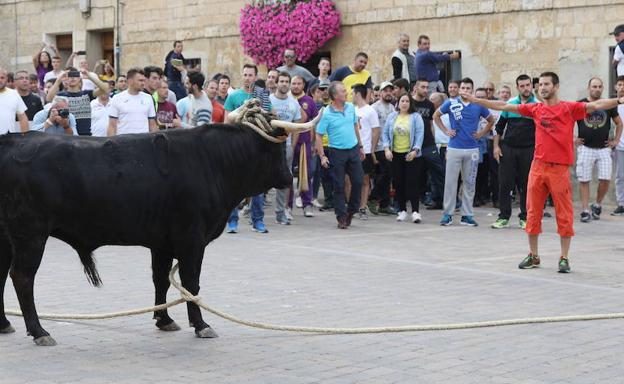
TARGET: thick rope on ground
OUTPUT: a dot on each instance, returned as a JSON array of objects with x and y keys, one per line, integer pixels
[{"x": 187, "y": 296}]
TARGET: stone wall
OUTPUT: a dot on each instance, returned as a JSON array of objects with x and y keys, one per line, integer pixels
[{"x": 498, "y": 38}]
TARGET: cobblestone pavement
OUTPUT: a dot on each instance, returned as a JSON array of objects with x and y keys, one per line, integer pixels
[{"x": 377, "y": 273}]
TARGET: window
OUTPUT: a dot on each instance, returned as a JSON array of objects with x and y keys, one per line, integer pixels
[
  {"x": 193, "y": 64},
  {"x": 450, "y": 70},
  {"x": 312, "y": 64},
  {"x": 612, "y": 74}
]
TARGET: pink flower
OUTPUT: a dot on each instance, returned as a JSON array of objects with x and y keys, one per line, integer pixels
[{"x": 267, "y": 30}]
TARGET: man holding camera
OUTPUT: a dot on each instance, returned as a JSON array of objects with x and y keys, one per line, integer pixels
[
  {"x": 57, "y": 120},
  {"x": 79, "y": 100}
]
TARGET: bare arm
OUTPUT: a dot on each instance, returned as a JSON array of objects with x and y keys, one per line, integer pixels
[
  {"x": 102, "y": 86},
  {"x": 437, "y": 117},
  {"x": 375, "y": 139},
  {"x": 497, "y": 105},
  {"x": 112, "y": 127},
  {"x": 618, "y": 132},
  {"x": 153, "y": 127},
  {"x": 35, "y": 58},
  {"x": 603, "y": 104},
  {"x": 490, "y": 123},
  {"x": 55, "y": 88},
  {"x": 70, "y": 60},
  {"x": 23, "y": 122}
]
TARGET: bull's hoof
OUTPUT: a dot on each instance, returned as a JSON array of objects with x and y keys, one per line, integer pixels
[
  {"x": 45, "y": 341},
  {"x": 206, "y": 333},
  {"x": 8, "y": 329},
  {"x": 171, "y": 327}
]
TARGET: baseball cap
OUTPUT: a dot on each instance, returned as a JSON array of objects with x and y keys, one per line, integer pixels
[
  {"x": 323, "y": 84},
  {"x": 385, "y": 85},
  {"x": 619, "y": 29}
]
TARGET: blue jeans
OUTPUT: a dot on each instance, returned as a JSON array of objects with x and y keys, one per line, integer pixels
[
  {"x": 178, "y": 88},
  {"x": 257, "y": 211},
  {"x": 346, "y": 162}
]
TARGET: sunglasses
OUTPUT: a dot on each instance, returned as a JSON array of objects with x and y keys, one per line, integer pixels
[{"x": 289, "y": 56}]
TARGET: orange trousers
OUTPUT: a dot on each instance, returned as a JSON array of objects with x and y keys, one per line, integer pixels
[{"x": 549, "y": 179}]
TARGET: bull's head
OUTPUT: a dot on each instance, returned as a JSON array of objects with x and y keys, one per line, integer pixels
[
  {"x": 266, "y": 124},
  {"x": 275, "y": 131}
]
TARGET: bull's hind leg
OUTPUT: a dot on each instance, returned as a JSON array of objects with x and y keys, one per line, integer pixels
[
  {"x": 26, "y": 261},
  {"x": 5, "y": 264},
  {"x": 161, "y": 266},
  {"x": 190, "y": 258}
]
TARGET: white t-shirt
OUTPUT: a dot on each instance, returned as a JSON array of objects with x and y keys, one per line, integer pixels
[
  {"x": 10, "y": 105},
  {"x": 51, "y": 75},
  {"x": 369, "y": 120},
  {"x": 132, "y": 112},
  {"x": 88, "y": 85},
  {"x": 619, "y": 56},
  {"x": 99, "y": 117},
  {"x": 441, "y": 137}
]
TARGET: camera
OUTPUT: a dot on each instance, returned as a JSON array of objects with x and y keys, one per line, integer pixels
[{"x": 63, "y": 112}]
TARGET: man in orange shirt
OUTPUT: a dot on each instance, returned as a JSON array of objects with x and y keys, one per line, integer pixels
[
  {"x": 218, "y": 113},
  {"x": 554, "y": 154}
]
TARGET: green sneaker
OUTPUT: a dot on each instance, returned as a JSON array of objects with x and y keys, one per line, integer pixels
[
  {"x": 373, "y": 208},
  {"x": 530, "y": 261},
  {"x": 522, "y": 224},
  {"x": 564, "y": 265},
  {"x": 500, "y": 223}
]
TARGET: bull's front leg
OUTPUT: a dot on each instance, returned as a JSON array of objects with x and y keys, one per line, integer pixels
[
  {"x": 161, "y": 265},
  {"x": 190, "y": 259}
]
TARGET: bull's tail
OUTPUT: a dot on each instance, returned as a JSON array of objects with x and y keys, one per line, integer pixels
[{"x": 88, "y": 262}]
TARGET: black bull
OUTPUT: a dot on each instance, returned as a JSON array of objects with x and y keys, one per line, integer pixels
[{"x": 171, "y": 192}]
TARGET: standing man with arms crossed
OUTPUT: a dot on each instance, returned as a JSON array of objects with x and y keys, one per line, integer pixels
[
  {"x": 514, "y": 145},
  {"x": 554, "y": 154},
  {"x": 595, "y": 149}
]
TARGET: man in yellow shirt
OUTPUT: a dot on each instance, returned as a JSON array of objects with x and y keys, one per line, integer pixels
[{"x": 354, "y": 74}]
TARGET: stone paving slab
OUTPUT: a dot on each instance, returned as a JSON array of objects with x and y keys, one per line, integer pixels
[{"x": 377, "y": 273}]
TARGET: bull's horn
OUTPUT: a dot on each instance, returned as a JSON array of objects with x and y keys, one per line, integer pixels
[{"x": 296, "y": 127}]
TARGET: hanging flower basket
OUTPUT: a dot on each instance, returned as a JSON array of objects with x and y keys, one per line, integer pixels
[{"x": 267, "y": 28}]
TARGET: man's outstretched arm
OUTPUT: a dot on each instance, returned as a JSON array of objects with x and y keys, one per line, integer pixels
[{"x": 497, "y": 105}]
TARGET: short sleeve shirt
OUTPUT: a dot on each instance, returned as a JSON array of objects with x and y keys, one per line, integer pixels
[
  {"x": 464, "y": 120},
  {"x": 339, "y": 126},
  {"x": 236, "y": 99},
  {"x": 11, "y": 104},
  {"x": 80, "y": 107},
  {"x": 618, "y": 55},
  {"x": 132, "y": 112},
  {"x": 349, "y": 78},
  {"x": 554, "y": 129},
  {"x": 595, "y": 127},
  {"x": 287, "y": 109},
  {"x": 368, "y": 121}
]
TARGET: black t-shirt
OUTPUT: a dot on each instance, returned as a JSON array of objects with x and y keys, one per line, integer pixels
[
  {"x": 33, "y": 103},
  {"x": 80, "y": 107},
  {"x": 425, "y": 109},
  {"x": 594, "y": 129}
]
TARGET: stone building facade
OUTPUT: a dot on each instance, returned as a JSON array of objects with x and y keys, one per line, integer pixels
[{"x": 498, "y": 38}]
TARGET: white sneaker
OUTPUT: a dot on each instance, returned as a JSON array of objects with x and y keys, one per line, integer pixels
[
  {"x": 402, "y": 216},
  {"x": 289, "y": 215},
  {"x": 308, "y": 211},
  {"x": 316, "y": 203},
  {"x": 416, "y": 218},
  {"x": 298, "y": 202}
]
